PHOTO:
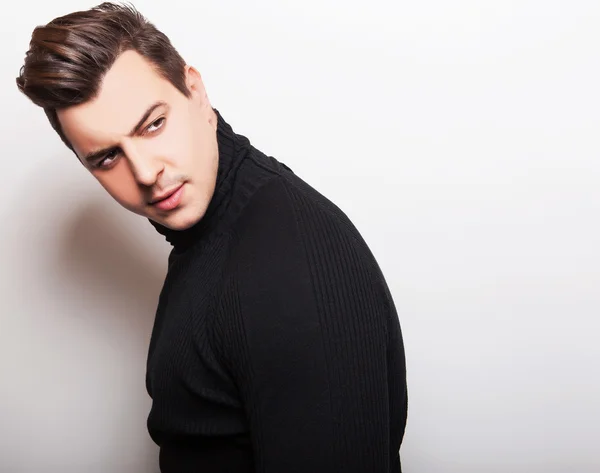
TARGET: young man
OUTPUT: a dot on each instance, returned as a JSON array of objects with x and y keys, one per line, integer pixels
[{"x": 276, "y": 346}]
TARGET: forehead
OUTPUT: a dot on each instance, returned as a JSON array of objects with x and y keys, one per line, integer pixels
[{"x": 126, "y": 91}]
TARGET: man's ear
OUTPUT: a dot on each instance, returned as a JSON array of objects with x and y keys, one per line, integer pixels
[
  {"x": 195, "y": 85},
  {"x": 193, "y": 81}
]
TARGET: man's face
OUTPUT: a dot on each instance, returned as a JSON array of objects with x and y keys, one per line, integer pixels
[{"x": 173, "y": 149}]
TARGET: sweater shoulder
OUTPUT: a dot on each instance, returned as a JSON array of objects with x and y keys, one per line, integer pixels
[
  {"x": 288, "y": 200},
  {"x": 287, "y": 216}
]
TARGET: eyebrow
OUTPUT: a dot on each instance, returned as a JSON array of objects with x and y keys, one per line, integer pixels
[{"x": 93, "y": 155}]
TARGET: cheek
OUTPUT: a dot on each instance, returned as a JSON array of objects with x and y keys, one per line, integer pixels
[
  {"x": 121, "y": 185},
  {"x": 175, "y": 146}
]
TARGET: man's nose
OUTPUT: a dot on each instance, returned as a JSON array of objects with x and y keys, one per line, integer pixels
[{"x": 144, "y": 164}]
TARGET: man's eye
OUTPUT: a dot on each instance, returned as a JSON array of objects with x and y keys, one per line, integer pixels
[
  {"x": 155, "y": 125},
  {"x": 108, "y": 159}
]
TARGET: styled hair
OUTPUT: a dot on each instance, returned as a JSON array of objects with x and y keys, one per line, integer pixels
[{"x": 68, "y": 58}]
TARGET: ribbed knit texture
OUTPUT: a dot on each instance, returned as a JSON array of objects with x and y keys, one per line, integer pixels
[{"x": 276, "y": 346}]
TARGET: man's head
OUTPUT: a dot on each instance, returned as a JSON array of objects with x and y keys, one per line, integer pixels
[{"x": 124, "y": 101}]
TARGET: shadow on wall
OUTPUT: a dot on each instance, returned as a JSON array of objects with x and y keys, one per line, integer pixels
[
  {"x": 100, "y": 258},
  {"x": 96, "y": 278},
  {"x": 97, "y": 248}
]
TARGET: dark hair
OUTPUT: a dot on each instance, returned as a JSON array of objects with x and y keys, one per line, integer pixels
[{"x": 68, "y": 57}]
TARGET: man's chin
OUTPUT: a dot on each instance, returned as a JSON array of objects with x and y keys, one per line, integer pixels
[{"x": 176, "y": 222}]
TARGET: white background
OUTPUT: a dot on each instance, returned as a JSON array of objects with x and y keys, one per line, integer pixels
[{"x": 461, "y": 137}]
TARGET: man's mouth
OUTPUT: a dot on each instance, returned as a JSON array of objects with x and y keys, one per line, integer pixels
[{"x": 168, "y": 200}]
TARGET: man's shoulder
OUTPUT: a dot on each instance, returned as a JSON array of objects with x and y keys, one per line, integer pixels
[
  {"x": 288, "y": 200},
  {"x": 287, "y": 210}
]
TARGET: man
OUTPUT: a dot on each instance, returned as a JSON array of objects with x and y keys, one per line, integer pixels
[{"x": 276, "y": 346}]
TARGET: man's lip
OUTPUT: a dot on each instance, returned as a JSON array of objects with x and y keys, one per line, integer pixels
[{"x": 165, "y": 196}]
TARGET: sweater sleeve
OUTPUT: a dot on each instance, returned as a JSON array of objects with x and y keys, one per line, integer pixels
[{"x": 309, "y": 341}]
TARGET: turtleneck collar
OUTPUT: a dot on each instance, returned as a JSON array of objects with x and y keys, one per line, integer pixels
[{"x": 233, "y": 148}]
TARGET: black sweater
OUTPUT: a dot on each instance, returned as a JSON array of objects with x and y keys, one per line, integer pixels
[{"x": 276, "y": 346}]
